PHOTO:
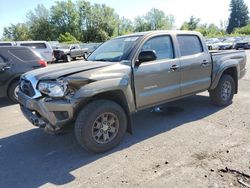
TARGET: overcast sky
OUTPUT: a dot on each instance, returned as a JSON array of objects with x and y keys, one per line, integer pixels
[{"x": 209, "y": 11}]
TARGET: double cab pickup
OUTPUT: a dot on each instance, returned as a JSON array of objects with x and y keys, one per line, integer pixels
[{"x": 123, "y": 76}]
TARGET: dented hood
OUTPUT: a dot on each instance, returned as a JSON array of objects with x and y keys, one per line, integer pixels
[{"x": 56, "y": 71}]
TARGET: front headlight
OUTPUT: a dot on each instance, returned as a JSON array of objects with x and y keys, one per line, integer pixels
[{"x": 53, "y": 88}]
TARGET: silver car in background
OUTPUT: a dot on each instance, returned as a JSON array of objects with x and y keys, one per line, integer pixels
[{"x": 42, "y": 47}]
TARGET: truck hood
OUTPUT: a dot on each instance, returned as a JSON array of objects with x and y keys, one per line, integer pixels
[{"x": 56, "y": 71}]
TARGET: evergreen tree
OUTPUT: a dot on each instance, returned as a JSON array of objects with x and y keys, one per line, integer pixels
[{"x": 239, "y": 15}]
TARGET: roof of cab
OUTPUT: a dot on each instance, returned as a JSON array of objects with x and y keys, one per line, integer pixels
[{"x": 146, "y": 33}]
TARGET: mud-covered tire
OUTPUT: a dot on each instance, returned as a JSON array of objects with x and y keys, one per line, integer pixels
[
  {"x": 223, "y": 94},
  {"x": 85, "y": 126},
  {"x": 12, "y": 91}
]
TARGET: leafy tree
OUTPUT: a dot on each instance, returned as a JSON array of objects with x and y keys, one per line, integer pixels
[
  {"x": 210, "y": 30},
  {"x": 125, "y": 26},
  {"x": 155, "y": 19},
  {"x": 243, "y": 30},
  {"x": 65, "y": 18},
  {"x": 40, "y": 27},
  {"x": 84, "y": 11},
  {"x": 97, "y": 22},
  {"x": 67, "y": 38},
  {"x": 158, "y": 20},
  {"x": 239, "y": 15},
  {"x": 191, "y": 24},
  {"x": 17, "y": 32},
  {"x": 141, "y": 24}
]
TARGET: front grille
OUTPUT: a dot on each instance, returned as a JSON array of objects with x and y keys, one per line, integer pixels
[{"x": 27, "y": 88}]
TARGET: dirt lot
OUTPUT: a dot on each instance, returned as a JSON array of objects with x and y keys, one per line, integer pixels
[{"x": 184, "y": 146}]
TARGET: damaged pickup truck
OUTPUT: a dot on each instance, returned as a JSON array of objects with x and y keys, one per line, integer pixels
[{"x": 123, "y": 76}]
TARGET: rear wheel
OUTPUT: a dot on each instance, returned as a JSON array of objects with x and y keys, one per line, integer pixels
[
  {"x": 13, "y": 91},
  {"x": 100, "y": 126},
  {"x": 223, "y": 94}
]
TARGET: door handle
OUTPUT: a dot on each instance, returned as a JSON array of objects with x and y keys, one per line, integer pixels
[
  {"x": 5, "y": 68},
  {"x": 205, "y": 63},
  {"x": 174, "y": 67}
]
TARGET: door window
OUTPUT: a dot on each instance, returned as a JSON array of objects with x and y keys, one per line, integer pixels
[
  {"x": 162, "y": 45},
  {"x": 189, "y": 45},
  {"x": 24, "y": 54}
]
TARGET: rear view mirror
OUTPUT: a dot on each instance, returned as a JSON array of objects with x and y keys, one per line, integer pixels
[{"x": 146, "y": 56}]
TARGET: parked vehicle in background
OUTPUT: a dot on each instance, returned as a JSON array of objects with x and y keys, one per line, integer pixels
[
  {"x": 41, "y": 47},
  {"x": 228, "y": 44},
  {"x": 54, "y": 44},
  {"x": 15, "y": 61},
  {"x": 123, "y": 76},
  {"x": 243, "y": 44},
  {"x": 90, "y": 46},
  {"x": 70, "y": 52},
  {"x": 213, "y": 43},
  {"x": 7, "y": 43}
]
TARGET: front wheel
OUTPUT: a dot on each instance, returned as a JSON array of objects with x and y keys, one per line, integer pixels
[
  {"x": 68, "y": 58},
  {"x": 85, "y": 56},
  {"x": 223, "y": 94},
  {"x": 100, "y": 126},
  {"x": 13, "y": 91}
]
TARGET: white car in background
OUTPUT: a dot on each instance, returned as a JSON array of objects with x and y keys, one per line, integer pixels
[
  {"x": 42, "y": 47},
  {"x": 213, "y": 43}
]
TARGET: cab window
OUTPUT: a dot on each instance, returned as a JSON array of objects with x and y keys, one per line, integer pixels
[
  {"x": 162, "y": 45},
  {"x": 189, "y": 45}
]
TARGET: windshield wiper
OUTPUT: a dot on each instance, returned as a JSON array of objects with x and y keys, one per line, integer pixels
[{"x": 105, "y": 60}]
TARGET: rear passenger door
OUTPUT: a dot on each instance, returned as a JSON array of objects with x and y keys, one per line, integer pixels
[
  {"x": 5, "y": 71},
  {"x": 159, "y": 80},
  {"x": 196, "y": 65}
]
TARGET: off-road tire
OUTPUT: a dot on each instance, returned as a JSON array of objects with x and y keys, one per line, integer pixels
[
  {"x": 216, "y": 94},
  {"x": 85, "y": 122}
]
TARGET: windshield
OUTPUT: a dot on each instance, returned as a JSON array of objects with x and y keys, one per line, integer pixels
[{"x": 114, "y": 50}]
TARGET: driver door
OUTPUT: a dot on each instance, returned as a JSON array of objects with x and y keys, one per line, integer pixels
[{"x": 157, "y": 81}]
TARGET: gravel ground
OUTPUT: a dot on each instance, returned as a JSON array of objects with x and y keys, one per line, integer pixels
[{"x": 185, "y": 145}]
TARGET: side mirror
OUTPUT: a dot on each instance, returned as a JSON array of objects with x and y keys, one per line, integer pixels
[
  {"x": 146, "y": 56},
  {"x": 72, "y": 48}
]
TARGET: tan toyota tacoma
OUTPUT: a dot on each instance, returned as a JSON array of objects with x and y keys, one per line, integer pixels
[{"x": 123, "y": 76}]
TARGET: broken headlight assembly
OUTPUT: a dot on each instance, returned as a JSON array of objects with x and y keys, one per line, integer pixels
[{"x": 53, "y": 88}]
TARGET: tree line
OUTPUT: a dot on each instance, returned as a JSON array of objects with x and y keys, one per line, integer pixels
[
  {"x": 82, "y": 21},
  {"x": 68, "y": 21}
]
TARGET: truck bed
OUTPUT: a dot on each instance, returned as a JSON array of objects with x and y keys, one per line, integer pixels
[{"x": 222, "y": 57}]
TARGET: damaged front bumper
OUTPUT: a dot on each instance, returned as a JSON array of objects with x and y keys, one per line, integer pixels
[{"x": 45, "y": 113}]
